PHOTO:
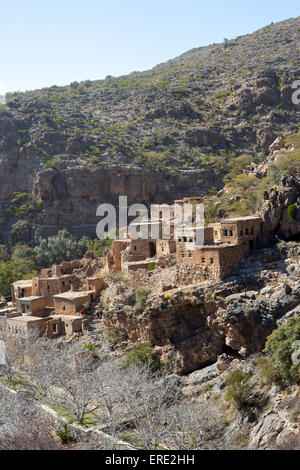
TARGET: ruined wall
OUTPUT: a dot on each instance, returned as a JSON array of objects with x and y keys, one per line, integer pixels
[
  {"x": 24, "y": 325},
  {"x": 114, "y": 257},
  {"x": 205, "y": 259},
  {"x": 165, "y": 247},
  {"x": 95, "y": 284},
  {"x": 48, "y": 287},
  {"x": 34, "y": 306},
  {"x": 141, "y": 249},
  {"x": 241, "y": 232},
  {"x": 20, "y": 289},
  {"x": 229, "y": 259},
  {"x": 211, "y": 262},
  {"x": 66, "y": 267}
]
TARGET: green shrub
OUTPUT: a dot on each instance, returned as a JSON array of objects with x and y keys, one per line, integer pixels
[
  {"x": 90, "y": 347},
  {"x": 239, "y": 389},
  {"x": 142, "y": 354},
  {"x": 94, "y": 149},
  {"x": 141, "y": 296},
  {"x": 65, "y": 434},
  {"x": 54, "y": 163},
  {"x": 269, "y": 374},
  {"x": 23, "y": 205},
  {"x": 292, "y": 212},
  {"x": 94, "y": 160},
  {"x": 98, "y": 246},
  {"x": 114, "y": 336},
  {"x": 151, "y": 266},
  {"x": 279, "y": 348}
]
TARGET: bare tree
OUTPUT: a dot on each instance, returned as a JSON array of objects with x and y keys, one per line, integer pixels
[
  {"x": 23, "y": 425},
  {"x": 65, "y": 376},
  {"x": 70, "y": 377},
  {"x": 12, "y": 349},
  {"x": 112, "y": 408},
  {"x": 195, "y": 426},
  {"x": 147, "y": 399}
]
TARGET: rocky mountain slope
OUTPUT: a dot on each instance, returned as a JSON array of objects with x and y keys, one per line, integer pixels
[
  {"x": 191, "y": 325},
  {"x": 205, "y": 333},
  {"x": 168, "y": 132}
]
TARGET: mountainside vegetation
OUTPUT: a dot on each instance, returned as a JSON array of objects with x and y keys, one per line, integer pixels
[
  {"x": 244, "y": 191},
  {"x": 204, "y": 108}
]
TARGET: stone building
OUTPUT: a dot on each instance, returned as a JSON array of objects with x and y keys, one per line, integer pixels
[
  {"x": 20, "y": 289},
  {"x": 224, "y": 246},
  {"x": 71, "y": 303},
  {"x": 53, "y": 301},
  {"x": 245, "y": 231},
  {"x": 211, "y": 262},
  {"x": 213, "y": 251}
]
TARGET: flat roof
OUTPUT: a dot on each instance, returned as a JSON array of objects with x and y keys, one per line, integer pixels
[
  {"x": 30, "y": 298},
  {"x": 54, "y": 278},
  {"x": 74, "y": 295},
  {"x": 7, "y": 309},
  {"x": 66, "y": 317},
  {"x": 27, "y": 318},
  {"x": 23, "y": 282},
  {"x": 238, "y": 219},
  {"x": 213, "y": 247}
]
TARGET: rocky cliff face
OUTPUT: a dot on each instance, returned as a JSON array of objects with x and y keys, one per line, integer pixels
[
  {"x": 275, "y": 210},
  {"x": 71, "y": 196},
  {"x": 191, "y": 326}
]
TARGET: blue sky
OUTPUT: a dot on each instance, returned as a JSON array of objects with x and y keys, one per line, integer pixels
[{"x": 45, "y": 42}]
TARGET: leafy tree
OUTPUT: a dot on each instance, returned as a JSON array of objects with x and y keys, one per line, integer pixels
[
  {"x": 4, "y": 255},
  {"x": 98, "y": 246},
  {"x": 238, "y": 388},
  {"x": 141, "y": 296},
  {"x": 292, "y": 212},
  {"x": 142, "y": 354},
  {"x": 279, "y": 348},
  {"x": 19, "y": 265},
  {"x": 9, "y": 273},
  {"x": 58, "y": 248}
]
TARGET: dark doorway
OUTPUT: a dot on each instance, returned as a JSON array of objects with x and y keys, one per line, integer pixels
[
  {"x": 152, "y": 249},
  {"x": 251, "y": 244}
]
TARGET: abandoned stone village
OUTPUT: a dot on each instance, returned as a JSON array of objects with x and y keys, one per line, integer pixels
[
  {"x": 57, "y": 300},
  {"x": 204, "y": 300}
]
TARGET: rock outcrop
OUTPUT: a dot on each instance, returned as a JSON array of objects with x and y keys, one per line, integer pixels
[
  {"x": 274, "y": 210},
  {"x": 190, "y": 327}
]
